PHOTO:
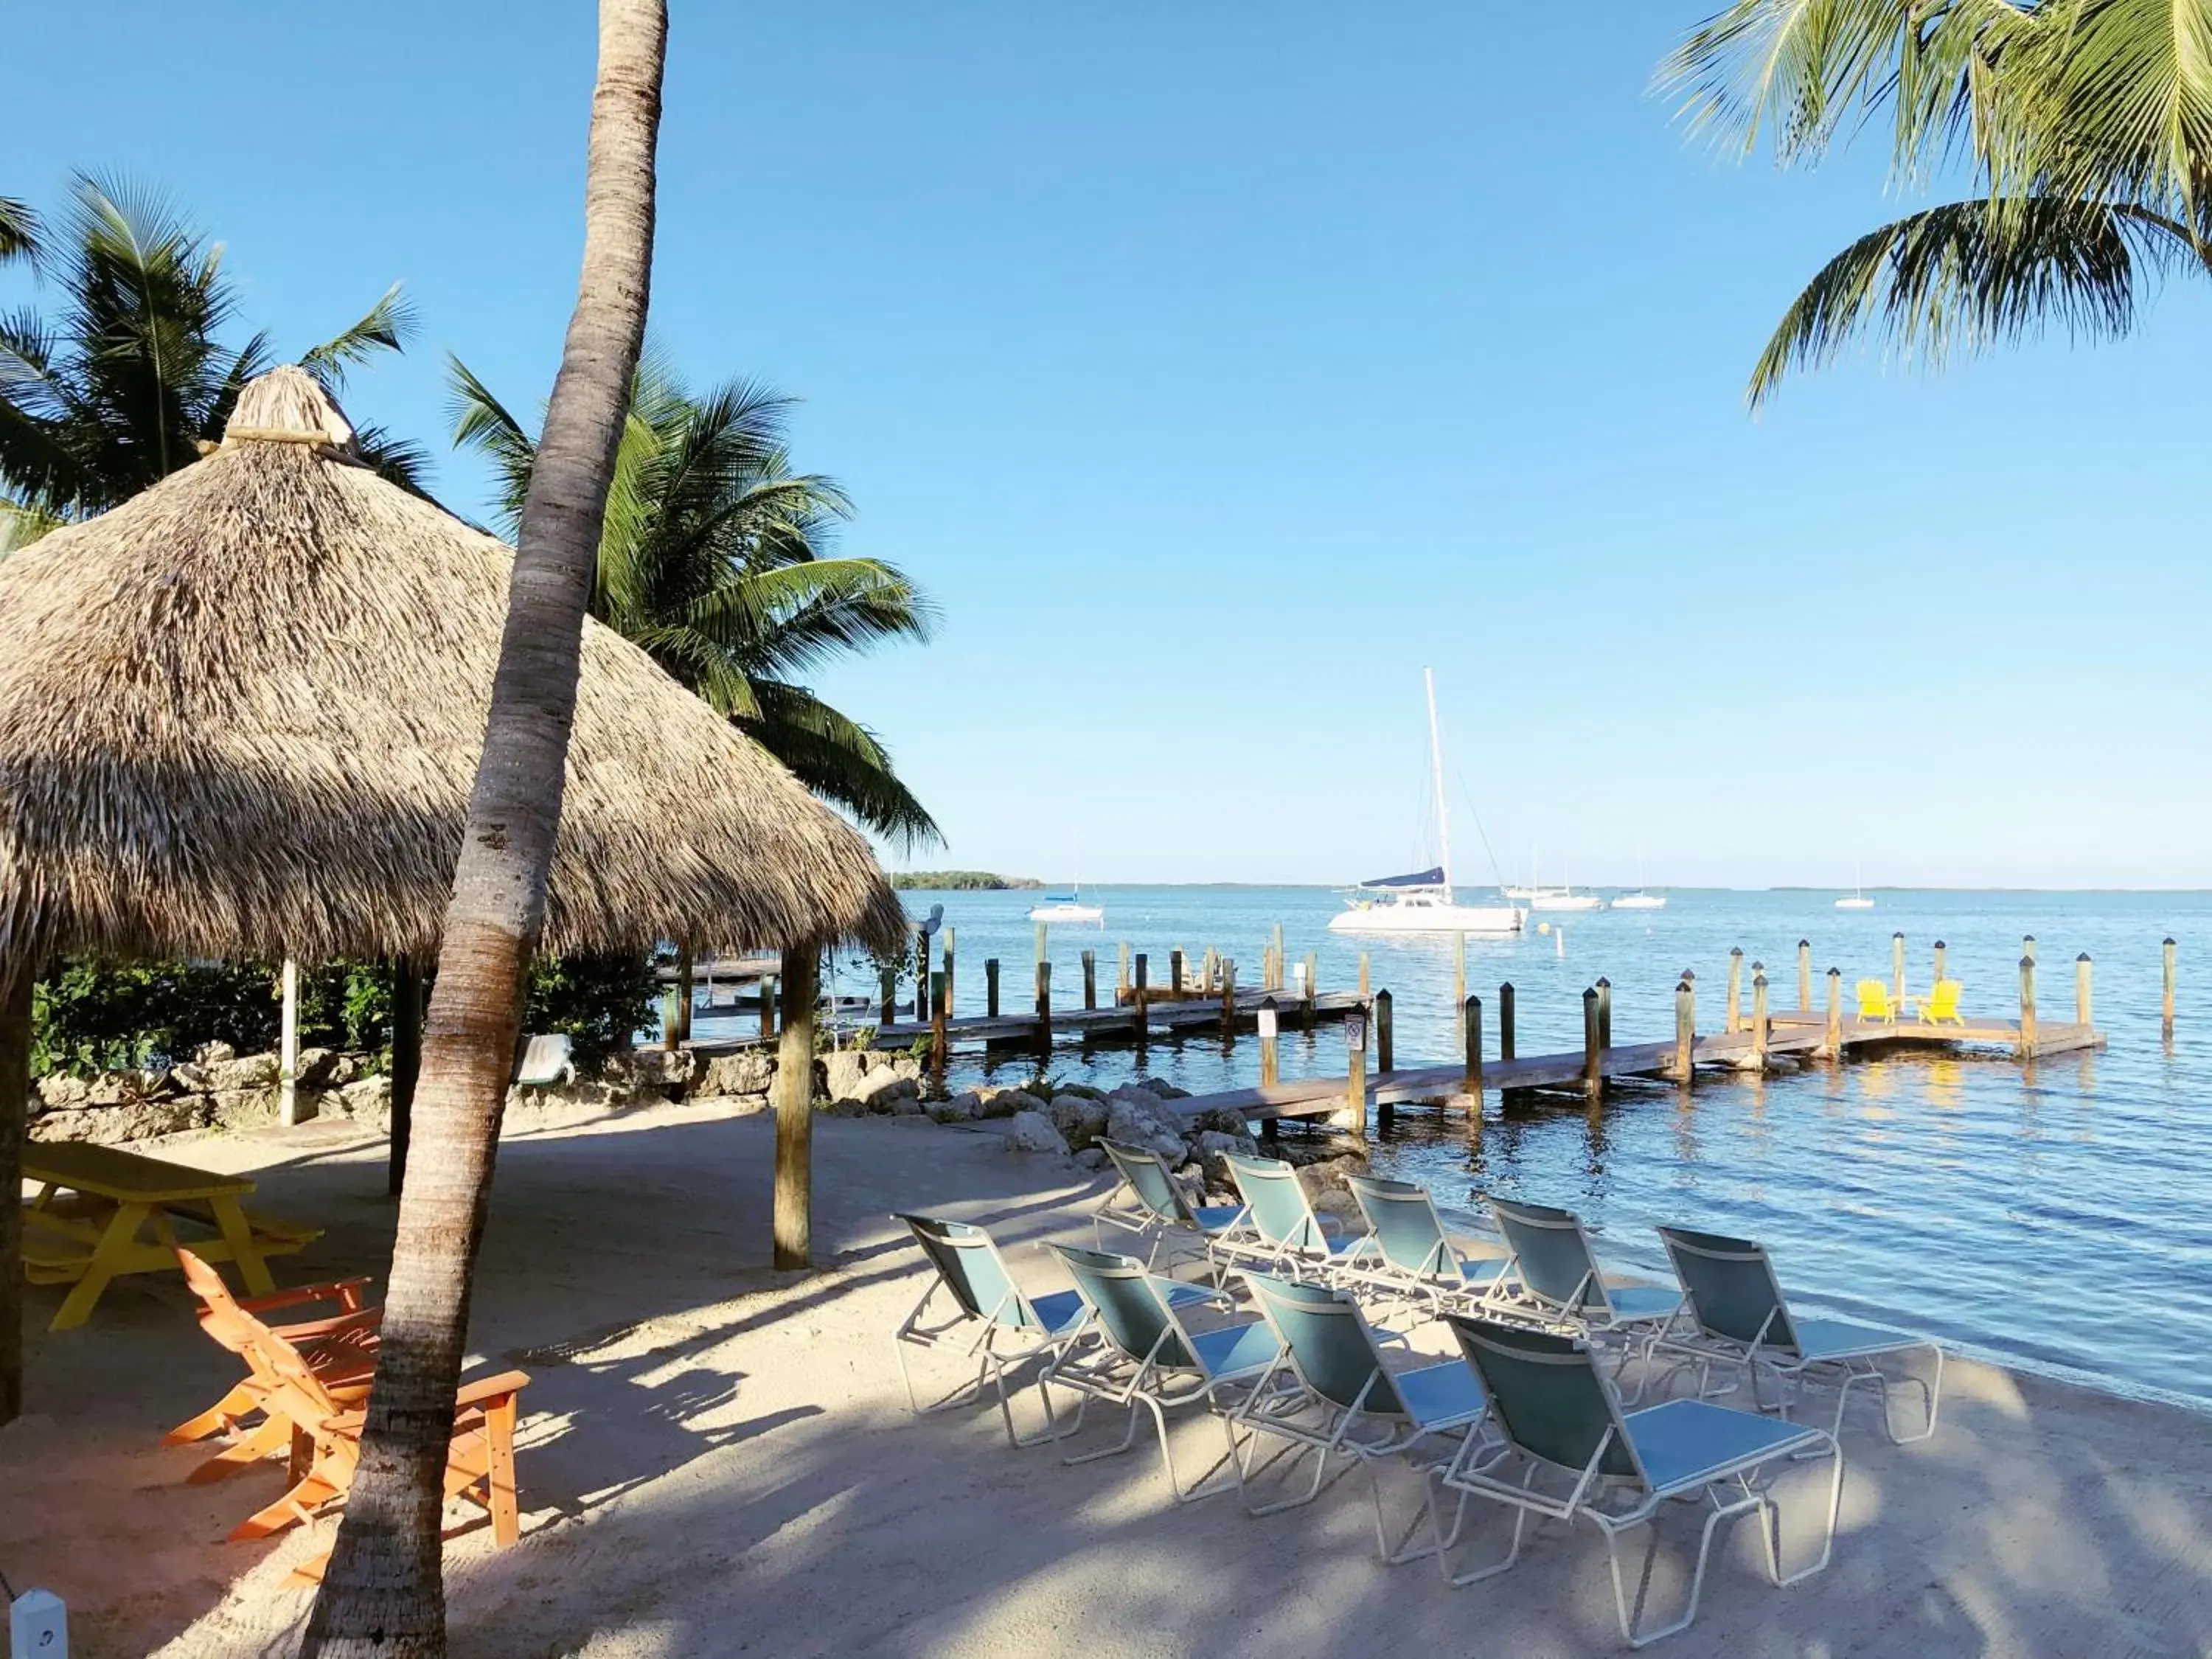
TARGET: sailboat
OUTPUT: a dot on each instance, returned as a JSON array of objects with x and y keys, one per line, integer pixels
[
  {"x": 1564, "y": 897},
  {"x": 1422, "y": 903},
  {"x": 1858, "y": 900},
  {"x": 1067, "y": 907},
  {"x": 1640, "y": 899}
]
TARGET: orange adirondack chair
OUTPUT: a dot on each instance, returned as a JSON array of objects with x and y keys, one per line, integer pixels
[
  {"x": 341, "y": 1349},
  {"x": 326, "y": 1432}
]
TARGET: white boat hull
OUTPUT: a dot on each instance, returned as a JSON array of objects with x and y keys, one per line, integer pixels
[
  {"x": 1640, "y": 901},
  {"x": 1067, "y": 913},
  {"x": 1564, "y": 902},
  {"x": 1428, "y": 918},
  {"x": 1855, "y": 904}
]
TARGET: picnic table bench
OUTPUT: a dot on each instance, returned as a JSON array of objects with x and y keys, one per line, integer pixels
[{"x": 84, "y": 1226}]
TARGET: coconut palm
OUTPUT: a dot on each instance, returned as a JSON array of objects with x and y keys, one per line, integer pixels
[
  {"x": 383, "y": 1593},
  {"x": 19, "y": 230},
  {"x": 127, "y": 380},
  {"x": 714, "y": 559},
  {"x": 2087, "y": 126}
]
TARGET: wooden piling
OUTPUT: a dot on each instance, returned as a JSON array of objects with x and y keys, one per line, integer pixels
[
  {"x": 943, "y": 996},
  {"x": 1363, "y": 973},
  {"x": 1834, "y": 1046},
  {"x": 1174, "y": 971},
  {"x": 1313, "y": 977},
  {"x": 921, "y": 1002},
  {"x": 1897, "y": 972},
  {"x": 1505, "y": 1021},
  {"x": 2027, "y": 945},
  {"x": 1140, "y": 1000},
  {"x": 1355, "y": 1081},
  {"x": 1209, "y": 965},
  {"x": 1593, "y": 1072},
  {"x": 1276, "y": 967},
  {"x": 793, "y": 1219},
  {"x": 1122, "y": 975},
  {"x": 1459, "y": 976},
  {"x": 1761, "y": 1023},
  {"x": 1735, "y": 991},
  {"x": 1043, "y": 1009},
  {"x": 1470, "y": 1023},
  {"x": 940, "y": 1040},
  {"x": 1043, "y": 941},
  {"x": 1228, "y": 1000},
  {"x": 1604, "y": 1012},
  {"x": 1804, "y": 975},
  {"x": 2166, "y": 998},
  {"x": 1383, "y": 1055},
  {"x": 1090, "y": 979},
  {"x": 2083, "y": 1005},
  {"x": 1270, "y": 1060},
  {"x": 288, "y": 1044},
  {"x": 1685, "y": 1029},
  {"x": 991, "y": 985},
  {"x": 887, "y": 986},
  {"x": 2027, "y": 1034},
  {"x": 1942, "y": 963}
]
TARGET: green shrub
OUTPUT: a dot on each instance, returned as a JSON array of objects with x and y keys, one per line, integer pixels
[{"x": 601, "y": 1003}]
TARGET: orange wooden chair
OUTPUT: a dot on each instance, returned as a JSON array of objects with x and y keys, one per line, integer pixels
[
  {"x": 325, "y": 1431},
  {"x": 341, "y": 1349}
]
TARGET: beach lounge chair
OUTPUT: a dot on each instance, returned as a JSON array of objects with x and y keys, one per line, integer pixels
[
  {"x": 1553, "y": 1276},
  {"x": 1153, "y": 1204},
  {"x": 990, "y": 1312},
  {"x": 1147, "y": 1358},
  {"x": 340, "y": 1348},
  {"x": 1940, "y": 1006},
  {"x": 1348, "y": 1406},
  {"x": 1583, "y": 1457},
  {"x": 541, "y": 1061},
  {"x": 326, "y": 1423},
  {"x": 1736, "y": 1302},
  {"x": 1874, "y": 1005},
  {"x": 1280, "y": 1232},
  {"x": 1411, "y": 1251}
]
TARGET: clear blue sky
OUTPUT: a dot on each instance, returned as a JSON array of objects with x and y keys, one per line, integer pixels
[{"x": 1216, "y": 367}]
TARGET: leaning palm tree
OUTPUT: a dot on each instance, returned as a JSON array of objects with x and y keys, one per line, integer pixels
[
  {"x": 127, "y": 378},
  {"x": 714, "y": 559},
  {"x": 2086, "y": 124},
  {"x": 382, "y": 1596}
]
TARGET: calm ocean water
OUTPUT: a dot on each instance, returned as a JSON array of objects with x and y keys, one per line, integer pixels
[{"x": 2032, "y": 1215}]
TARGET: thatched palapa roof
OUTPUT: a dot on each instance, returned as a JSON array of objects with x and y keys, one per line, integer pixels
[{"x": 239, "y": 716}]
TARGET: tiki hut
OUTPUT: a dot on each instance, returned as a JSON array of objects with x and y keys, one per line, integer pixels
[{"x": 244, "y": 712}]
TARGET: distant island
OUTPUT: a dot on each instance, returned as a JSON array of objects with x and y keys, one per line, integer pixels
[{"x": 961, "y": 881}]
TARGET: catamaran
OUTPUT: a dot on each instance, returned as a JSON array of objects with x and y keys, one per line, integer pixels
[{"x": 1423, "y": 903}]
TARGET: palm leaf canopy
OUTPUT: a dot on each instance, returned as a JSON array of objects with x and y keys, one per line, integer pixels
[{"x": 247, "y": 709}]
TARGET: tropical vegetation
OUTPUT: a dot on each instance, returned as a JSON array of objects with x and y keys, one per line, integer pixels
[
  {"x": 960, "y": 881},
  {"x": 125, "y": 378},
  {"x": 715, "y": 557},
  {"x": 2085, "y": 126}
]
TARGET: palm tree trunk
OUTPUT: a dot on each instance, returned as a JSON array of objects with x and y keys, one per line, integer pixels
[
  {"x": 383, "y": 1594},
  {"x": 15, "y": 980}
]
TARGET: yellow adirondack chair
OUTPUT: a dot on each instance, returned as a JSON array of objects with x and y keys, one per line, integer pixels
[
  {"x": 1940, "y": 1006},
  {"x": 1875, "y": 1004}
]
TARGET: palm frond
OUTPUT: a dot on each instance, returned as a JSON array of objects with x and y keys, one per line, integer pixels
[
  {"x": 387, "y": 325},
  {"x": 21, "y": 236},
  {"x": 483, "y": 425},
  {"x": 843, "y": 763},
  {"x": 23, "y": 523},
  {"x": 396, "y": 460},
  {"x": 792, "y": 618},
  {"x": 1967, "y": 275}
]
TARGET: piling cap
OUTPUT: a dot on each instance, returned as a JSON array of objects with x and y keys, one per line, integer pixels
[{"x": 2084, "y": 956}]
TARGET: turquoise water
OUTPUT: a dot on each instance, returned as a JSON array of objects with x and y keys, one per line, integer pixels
[{"x": 2036, "y": 1216}]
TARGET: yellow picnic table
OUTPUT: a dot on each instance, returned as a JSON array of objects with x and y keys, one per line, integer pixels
[{"x": 92, "y": 1234}]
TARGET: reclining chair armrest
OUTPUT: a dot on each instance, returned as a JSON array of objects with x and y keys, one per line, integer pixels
[
  {"x": 346, "y": 1292},
  {"x": 359, "y": 1321},
  {"x": 491, "y": 1388}
]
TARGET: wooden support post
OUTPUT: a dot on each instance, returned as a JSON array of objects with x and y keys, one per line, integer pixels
[
  {"x": 1835, "y": 1043},
  {"x": 944, "y": 997},
  {"x": 14, "y": 1123},
  {"x": 1140, "y": 997},
  {"x": 1459, "y": 980},
  {"x": 888, "y": 990},
  {"x": 940, "y": 1039},
  {"x": 1942, "y": 963},
  {"x": 287, "y": 1047},
  {"x": 1206, "y": 965},
  {"x": 1174, "y": 972},
  {"x": 1313, "y": 981},
  {"x": 1505, "y": 1021},
  {"x": 1122, "y": 974},
  {"x": 1270, "y": 1060},
  {"x": 1593, "y": 1065},
  {"x": 1090, "y": 979},
  {"x": 1275, "y": 983},
  {"x": 1228, "y": 998},
  {"x": 1383, "y": 1044},
  {"x": 406, "y": 1067},
  {"x": 1685, "y": 1029},
  {"x": 921, "y": 1003},
  {"x": 1470, "y": 1022},
  {"x": 793, "y": 1222},
  {"x": 2083, "y": 1008},
  {"x": 1363, "y": 973},
  {"x": 1761, "y": 1022},
  {"x": 1355, "y": 1081},
  {"x": 1043, "y": 1010},
  {"x": 1735, "y": 991},
  {"x": 1804, "y": 975},
  {"x": 686, "y": 966},
  {"x": 2166, "y": 998},
  {"x": 768, "y": 1010},
  {"x": 991, "y": 985},
  {"x": 1897, "y": 972},
  {"x": 671, "y": 1034},
  {"x": 1604, "y": 1012},
  {"x": 1043, "y": 942},
  {"x": 2027, "y": 945},
  {"x": 2028, "y": 1034}
]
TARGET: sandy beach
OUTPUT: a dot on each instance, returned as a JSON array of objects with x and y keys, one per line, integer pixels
[{"x": 717, "y": 1459}]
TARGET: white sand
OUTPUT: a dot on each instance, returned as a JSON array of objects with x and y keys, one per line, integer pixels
[{"x": 717, "y": 1460}]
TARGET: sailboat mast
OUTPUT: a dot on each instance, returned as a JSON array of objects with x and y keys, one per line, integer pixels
[{"x": 1437, "y": 778}]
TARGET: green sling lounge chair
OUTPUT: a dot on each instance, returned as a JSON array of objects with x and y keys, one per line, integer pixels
[
  {"x": 1281, "y": 1233},
  {"x": 1735, "y": 1301},
  {"x": 1150, "y": 1203},
  {"x": 992, "y": 1322},
  {"x": 1410, "y": 1252},
  {"x": 1348, "y": 1407},
  {"x": 1552, "y": 1278},
  {"x": 1147, "y": 1358},
  {"x": 1586, "y": 1459}
]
